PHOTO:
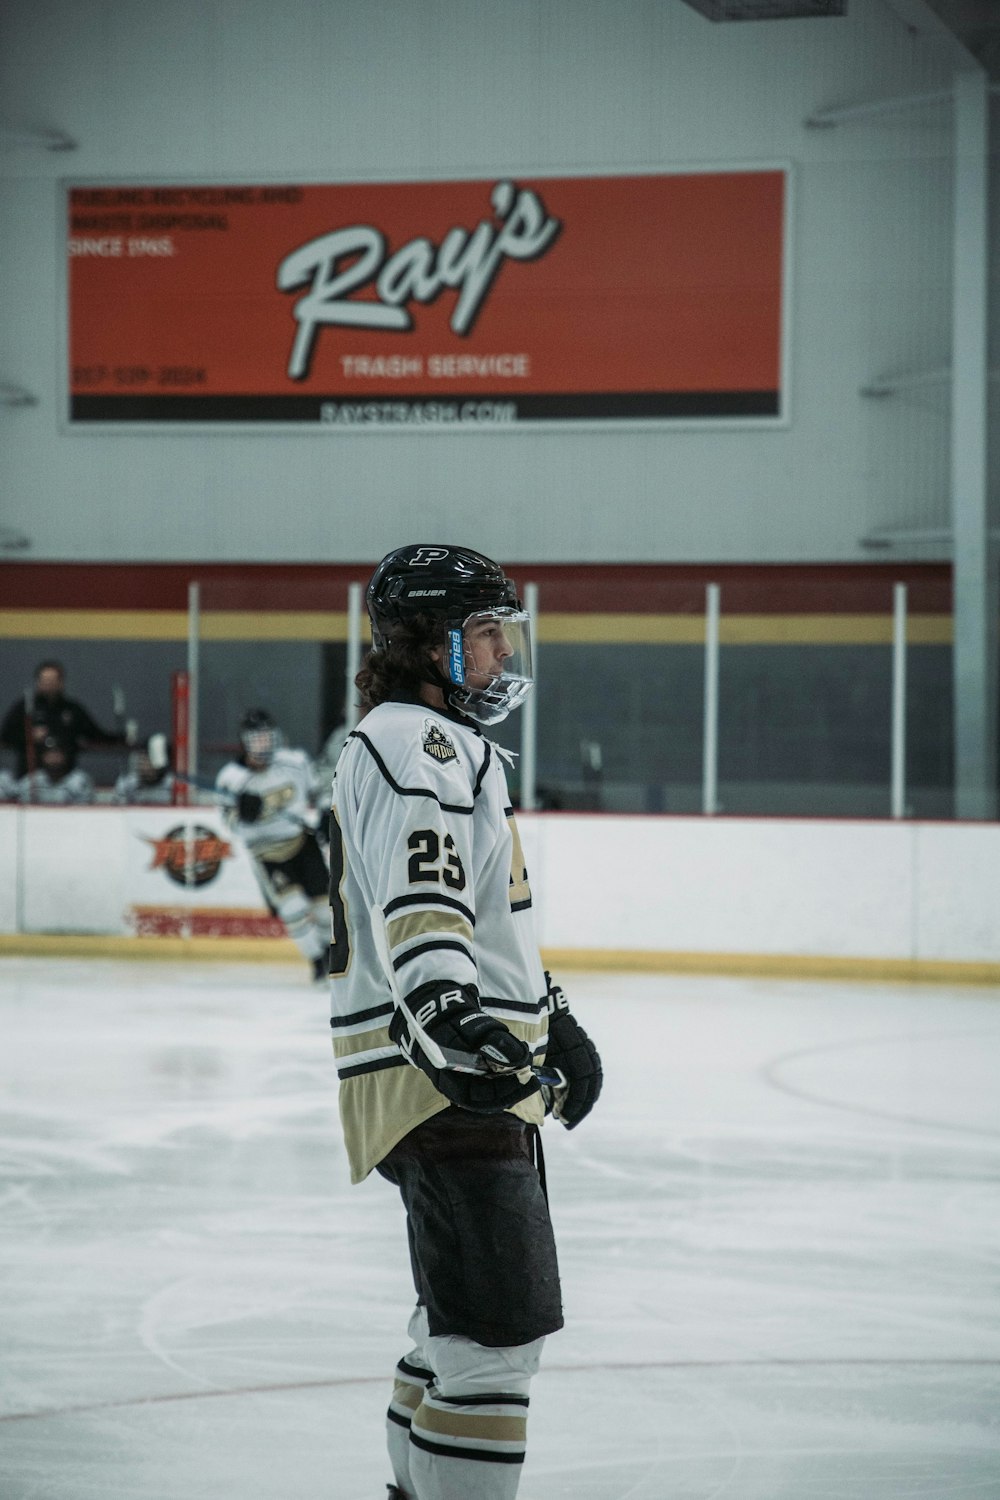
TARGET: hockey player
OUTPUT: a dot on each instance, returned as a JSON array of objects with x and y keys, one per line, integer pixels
[
  {"x": 149, "y": 779},
  {"x": 326, "y": 760},
  {"x": 271, "y": 792},
  {"x": 441, "y": 1011},
  {"x": 56, "y": 780}
]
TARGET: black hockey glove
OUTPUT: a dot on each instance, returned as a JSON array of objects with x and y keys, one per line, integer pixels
[
  {"x": 471, "y": 1058},
  {"x": 249, "y": 807},
  {"x": 571, "y": 1051}
]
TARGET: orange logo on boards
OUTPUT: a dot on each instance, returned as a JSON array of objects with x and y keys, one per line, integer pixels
[{"x": 190, "y": 855}]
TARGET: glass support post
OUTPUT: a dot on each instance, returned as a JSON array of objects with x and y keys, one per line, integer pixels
[
  {"x": 974, "y": 569},
  {"x": 194, "y": 634},
  {"x": 529, "y": 711},
  {"x": 355, "y": 610},
  {"x": 710, "y": 752},
  {"x": 898, "y": 781}
]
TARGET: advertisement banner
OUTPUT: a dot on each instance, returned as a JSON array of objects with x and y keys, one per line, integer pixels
[
  {"x": 439, "y": 305},
  {"x": 188, "y": 876}
]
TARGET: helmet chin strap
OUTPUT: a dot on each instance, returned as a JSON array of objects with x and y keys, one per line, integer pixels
[{"x": 436, "y": 678}]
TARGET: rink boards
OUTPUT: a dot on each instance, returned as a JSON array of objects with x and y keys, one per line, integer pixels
[{"x": 767, "y": 895}]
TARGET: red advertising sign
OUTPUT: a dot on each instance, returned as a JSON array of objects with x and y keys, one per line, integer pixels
[{"x": 433, "y": 304}]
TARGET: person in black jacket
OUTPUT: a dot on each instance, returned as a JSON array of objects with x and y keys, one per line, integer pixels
[{"x": 49, "y": 714}]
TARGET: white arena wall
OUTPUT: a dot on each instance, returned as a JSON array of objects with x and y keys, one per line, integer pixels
[{"x": 906, "y": 900}]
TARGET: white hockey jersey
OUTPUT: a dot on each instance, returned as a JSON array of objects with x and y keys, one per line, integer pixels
[
  {"x": 427, "y": 883},
  {"x": 74, "y": 789},
  {"x": 288, "y": 790},
  {"x": 131, "y": 790}
]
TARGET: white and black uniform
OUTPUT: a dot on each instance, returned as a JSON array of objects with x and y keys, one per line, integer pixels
[
  {"x": 428, "y": 884},
  {"x": 76, "y": 788},
  {"x": 288, "y": 861},
  {"x": 432, "y": 868},
  {"x": 130, "y": 789}
]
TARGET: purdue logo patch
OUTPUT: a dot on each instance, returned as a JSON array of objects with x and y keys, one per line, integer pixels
[{"x": 437, "y": 744}]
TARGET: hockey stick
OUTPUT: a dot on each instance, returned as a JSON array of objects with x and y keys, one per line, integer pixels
[
  {"x": 445, "y": 1057},
  {"x": 128, "y": 728},
  {"x": 30, "y": 754}
]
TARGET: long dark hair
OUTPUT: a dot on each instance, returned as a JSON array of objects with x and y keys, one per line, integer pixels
[{"x": 404, "y": 665}]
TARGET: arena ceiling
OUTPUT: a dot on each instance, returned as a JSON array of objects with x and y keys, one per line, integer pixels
[{"x": 975, "y": 23}]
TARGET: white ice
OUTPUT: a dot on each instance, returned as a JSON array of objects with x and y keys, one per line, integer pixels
[{"x": 779, "y": 1236}]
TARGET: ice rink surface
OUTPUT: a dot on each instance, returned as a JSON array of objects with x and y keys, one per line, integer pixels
[{"x": 779, "y": 1238}]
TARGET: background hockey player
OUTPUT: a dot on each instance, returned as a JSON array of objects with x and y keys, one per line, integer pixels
[
  {"x": 326, "y": 760},
  {"x": 56, "y": 780},
  {"x": 441, "y": 1010},
  {"x": 148, "y": 779},
  {"x": 272, "y": 791}
]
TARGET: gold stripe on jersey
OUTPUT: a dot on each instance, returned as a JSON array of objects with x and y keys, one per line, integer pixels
[
  {"x": 378, "y": 1109},
  {"x": 361, "y": 1041},
  {"x": 520, "y": 890},
  {"x": 346, "y": 1044},
  {"x": 279, "y": 852},
  {"x": 416, "y": 924},
  {"x": 535, "y": 1033}
]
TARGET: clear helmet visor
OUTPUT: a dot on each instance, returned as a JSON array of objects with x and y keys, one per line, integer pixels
[
  {"x": 489, "y": 663},
  {"x": 259, "y": 745}
]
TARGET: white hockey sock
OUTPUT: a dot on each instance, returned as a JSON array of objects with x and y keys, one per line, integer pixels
[
  {"x": 460, "y": 1448},
  {"x": 467, "y": 1434},
  {"x": 407, "y": 1393},
  {"x": 299, "y": 917}
]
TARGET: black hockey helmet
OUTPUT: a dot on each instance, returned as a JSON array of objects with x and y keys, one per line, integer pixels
[
  {"x": 259, "y": 735},
  {"x": 453, "y": 587},
  {"x": 447, "y": 583},
  {"x": 57, "y": 755}
]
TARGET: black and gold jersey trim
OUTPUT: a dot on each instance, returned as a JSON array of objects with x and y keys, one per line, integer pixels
[
  {"x": 474, "y": 1455},
  {"x": 498, "y": 1398},
  {"x": 482, "y": 770},
  {"x": 359, "y": 1017},
  {"x": 378, "y": 1066},
  {"x": 429, "y": 900},
  {"x": 434, "y": 947},
  {"x": 415, "y": 791},
  {"x": 523, "y": 1007}
]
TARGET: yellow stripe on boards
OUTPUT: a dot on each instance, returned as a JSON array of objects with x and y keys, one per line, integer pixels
[
  {"x": 553, "y": 629},
  {"x": 740, "y": 630},
  {"x": 771, "y": 965},
  {"x": 171, "y": 625},
  {"x": 86, "y": 945},
  {"x": 273, "y": 625},
  {"x": 559, "y": 960},
  {"x": 94, "y": 624}
]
